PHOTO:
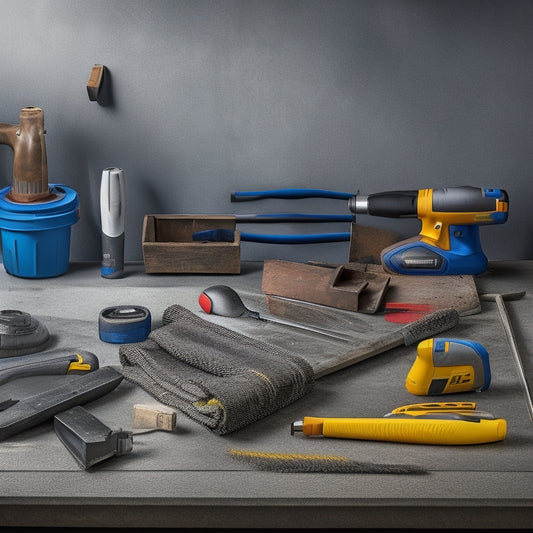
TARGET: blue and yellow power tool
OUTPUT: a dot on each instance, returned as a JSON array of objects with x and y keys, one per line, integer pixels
[{"x": 448, "y": 242}]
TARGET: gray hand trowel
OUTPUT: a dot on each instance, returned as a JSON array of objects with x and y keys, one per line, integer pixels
[{"x": 224, "y": 301}]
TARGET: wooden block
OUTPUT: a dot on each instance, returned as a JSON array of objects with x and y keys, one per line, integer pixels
[
  {"x": 94, "y": 84},
  {"x": 367, "y": 243},
  {"x": 154, "y": 417},
  {"x": 337, "y": 286}
]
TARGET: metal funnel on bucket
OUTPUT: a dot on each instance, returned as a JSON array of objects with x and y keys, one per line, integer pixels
[{"x": 35, "y": 216}]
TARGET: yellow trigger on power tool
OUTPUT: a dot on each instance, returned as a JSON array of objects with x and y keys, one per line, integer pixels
[{"x": 445, "y": 366}]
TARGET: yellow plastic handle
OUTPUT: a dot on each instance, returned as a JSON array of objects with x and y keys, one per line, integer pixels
[{"x": 415, "y": 430}]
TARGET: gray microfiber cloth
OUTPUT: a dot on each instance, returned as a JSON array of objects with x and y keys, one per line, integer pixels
[{"x": 218, "y": 377}]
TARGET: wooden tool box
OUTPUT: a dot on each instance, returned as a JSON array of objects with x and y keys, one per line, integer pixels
[{"x": 168, "y": 246}]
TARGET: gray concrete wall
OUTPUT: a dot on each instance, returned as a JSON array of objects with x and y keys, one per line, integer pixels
[{"x": 208, "y": 97}]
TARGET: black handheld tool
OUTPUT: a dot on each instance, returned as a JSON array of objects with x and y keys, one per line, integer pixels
[
  {"x": 88, "y": 439},
  {"x": 56, "y": 362},
  {"x": 19, "y": 415}
]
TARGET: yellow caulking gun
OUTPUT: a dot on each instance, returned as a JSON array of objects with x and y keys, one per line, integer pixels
[
  {"x": 449, "y": 365},
  {"x": 449, "y": 423}
]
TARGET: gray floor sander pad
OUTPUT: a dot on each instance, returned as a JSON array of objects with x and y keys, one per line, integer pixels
[{"x": 21, "y": 334}]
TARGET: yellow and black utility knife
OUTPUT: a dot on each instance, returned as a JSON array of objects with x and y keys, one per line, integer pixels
[{"x": 446, "y": 423}]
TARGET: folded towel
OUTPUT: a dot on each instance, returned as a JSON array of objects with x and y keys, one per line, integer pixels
[{"x": 217, "y": 377}]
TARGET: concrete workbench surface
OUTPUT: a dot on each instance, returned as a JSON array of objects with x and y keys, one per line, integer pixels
[{"x": 187, "y": 479}]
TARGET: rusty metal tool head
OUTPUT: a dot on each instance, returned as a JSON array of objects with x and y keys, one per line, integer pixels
[{"x": 30, "y": 169}]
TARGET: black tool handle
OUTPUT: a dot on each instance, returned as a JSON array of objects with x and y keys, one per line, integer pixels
[
  {"x": 56, "y": 362},
  {"x": 394, "y": 204}
]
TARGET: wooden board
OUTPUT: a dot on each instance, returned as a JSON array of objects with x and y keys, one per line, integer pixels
[
  {"x": 438, "y": 292},
  {"x": 310, "y": 282},
  {"x": 338, "y": 286}
]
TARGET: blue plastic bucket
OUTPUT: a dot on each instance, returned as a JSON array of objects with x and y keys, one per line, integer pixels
[{"x": 36, "y": 236}]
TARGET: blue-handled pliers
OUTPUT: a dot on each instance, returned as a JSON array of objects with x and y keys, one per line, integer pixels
[{"x": 227, "y": 235}]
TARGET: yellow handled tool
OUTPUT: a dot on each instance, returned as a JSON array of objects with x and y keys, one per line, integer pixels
[
  {"x": 50, "y": 363},
  {"x": 449, "y": 423}
]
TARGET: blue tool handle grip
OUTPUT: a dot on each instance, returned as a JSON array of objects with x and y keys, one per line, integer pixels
[
  {"x": 112, "y": 256},
  {"x": 296, "y": 239},
  {"x": 294, "y": 217},
  {"x": 246, "y": 196},
  {"x": 227, "y": 235}
]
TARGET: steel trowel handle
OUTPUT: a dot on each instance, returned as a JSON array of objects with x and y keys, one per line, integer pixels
[{"x": 56, "y": 362}]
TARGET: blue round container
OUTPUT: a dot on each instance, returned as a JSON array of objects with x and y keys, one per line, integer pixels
[{"x": 36, "y": 236}]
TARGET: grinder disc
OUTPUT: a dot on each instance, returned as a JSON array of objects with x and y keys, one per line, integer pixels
[{"x": 21, "y": 334}]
